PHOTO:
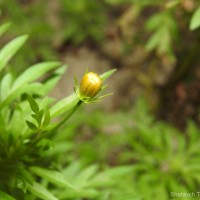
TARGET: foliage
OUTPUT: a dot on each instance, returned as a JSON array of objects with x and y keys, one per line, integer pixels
[
  {"x": 83, "y": 22},
  {"x": 74, "y": 24},
  {"x": 163, "y": 159},
  {"x": 99, "y": 156},
  {"x": 29, "y": 18},
  {"x": 166, "y": 159},
  {"x": 164, "y": 23},
  {"x": 156, "y": 25},
  {"x": 194, "y": 24},
  {"x": 29, "y": 164}
]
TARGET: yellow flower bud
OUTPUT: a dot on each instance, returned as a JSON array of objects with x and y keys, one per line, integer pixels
[{"x": 90, "y": 84}]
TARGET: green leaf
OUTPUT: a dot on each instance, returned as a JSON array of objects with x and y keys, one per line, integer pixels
[
  {"x": 34, "y": 116},
  {"x": 50, "y": 83},
  {"x": 31, "y": 125},
  {"x": 47, "y": 118},
  {"x": 164, "y": 46},
  {"x": 5, "y": 196},
  {"x": 195, "y": 21},
  {"x": 54, "y": 177},
  {"x": 71, "y": 170},
  {"x": 154, "y": 22},
  {"x": 119, "y": 171},
  {"x": 41, "y": 192},
  {"x": 33, "y": 104},
  {"x": 26, "y": 175},
  {"x": 41, "y": 115},
  {"x": 10, "y": 49},
  {"x": 5, "y": 85},
  {"x": 154, "y": 41},
  {"x": 4, "y": 27},
  {"x": 85, "y": 175},
  {"x": 33, "y": 73},
  {"x": 64, "y": 105},
  {"x": 31, "y": 88},
  {"x": 107, "y": 74}
]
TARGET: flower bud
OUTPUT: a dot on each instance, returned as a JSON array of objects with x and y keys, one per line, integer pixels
[{"x": 90, "y": 85}]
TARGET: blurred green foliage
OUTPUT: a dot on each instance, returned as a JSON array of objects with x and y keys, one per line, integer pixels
[
  {"x": 163, "y": 159},
  {"x": 30, "y": 164},
  {"x": 155, "y": 25},
  {"x": 99, "y": 156},
  {"x": 84, "y": 20},
  {"x": 162, "y": 20},
  {"x": 29, "y": 18}
]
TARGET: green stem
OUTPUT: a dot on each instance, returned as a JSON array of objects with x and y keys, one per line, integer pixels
[
  {"x": 47, "y": 133},
  {"x": 66, "y": 117},
  {"x": 57, "y": 126}
]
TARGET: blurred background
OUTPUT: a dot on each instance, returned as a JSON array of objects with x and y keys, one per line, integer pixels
[{"x": 151, "y": 121}]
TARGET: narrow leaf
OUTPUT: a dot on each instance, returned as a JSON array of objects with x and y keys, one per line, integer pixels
[
  {"x": 85, "y": 175},
  {"x": 155, "y": 21},
  {"x": 4, "y": 28},
  {"x": 10, "y": 49},
  {"x": 195, "y": 21},
  {"x": 5, "y": 85},
  {"x": 5, "y": 196},
  {"x": 46, "y": 118},
  {"x": 34, "y": 73},
  {"x": 50, "y": 83},
  {"x": 154, "y": 41},
  {"x": 107, "y": 74},
  {"x": 64, "y": 105},
  {"x": 33, "y": 104},
  {"x": 41, "y": 115},
  {"x": 31, "y": 88},
  {"x": 34, "y": 116},
  {"x": 41, "y": 192},
  {"x": 31, "y": 125},
  {"x": 54, "y": 177},
  {"x": 119, "y": 171}
]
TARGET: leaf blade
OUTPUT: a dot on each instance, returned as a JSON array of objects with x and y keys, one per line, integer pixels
[
  {"x": 107, "y": 74},
  {"x": 33, "y": 73},
  {"x": 54, "y": 177},
  {"x": 47, "y": 119},
  {"x": 33, "y": 104},
  {"x": 4, "y": 27},
  {"x": 10, "y": 49},
  {"x": 41, "y": 192},
  {"x": 195, "y": 20},
  {"x": 5, "y": 196},
  {"x": 31, "y": 125}
]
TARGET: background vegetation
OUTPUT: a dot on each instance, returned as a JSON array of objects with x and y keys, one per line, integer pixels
[{"x": 141, "y": 143}]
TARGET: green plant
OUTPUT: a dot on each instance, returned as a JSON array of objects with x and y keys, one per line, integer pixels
[
  {"x": 163, "y": 159},
  {"x": 84, "y": 20},
  {"x": 163, "y": 24},
  {"x": 166, "y": 160},
  {"x": 29, "y": 18},
  {"x": 29, "y": 164}
]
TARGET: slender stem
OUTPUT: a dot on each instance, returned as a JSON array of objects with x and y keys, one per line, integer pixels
[
  {"x": 66, "y": 117},
  {"x": 57, "y": 126},
  {"x": 48, "y": 133}
]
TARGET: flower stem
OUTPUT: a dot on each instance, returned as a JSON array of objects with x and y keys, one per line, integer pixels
[
  {"x": 66, "y": 117},
  {"x": 50, "y": 133}
]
